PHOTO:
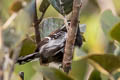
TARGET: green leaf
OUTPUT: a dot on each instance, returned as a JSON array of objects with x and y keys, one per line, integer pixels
[
  {"x": 115, "y": 32},
  {"x": 49, "y": 25},
  {"x": 108, "y": 20},
  {"x": 66, "y": 4},
  {"x": 79, "y": 69},
  {"x": 54, "y": 74},
  {"x": 44, "y": 5},
  {"x": 28, "y": 47},
  {"x": 108, "y": 62},
  {"x": 95, "y": 75},
  {"x": 27, "y": 69}
]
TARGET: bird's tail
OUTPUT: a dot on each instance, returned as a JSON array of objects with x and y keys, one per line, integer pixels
[{"x": 27, "y": 58}]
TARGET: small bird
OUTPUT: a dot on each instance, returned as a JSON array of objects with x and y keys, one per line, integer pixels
[{"x": 51, "y": 48}]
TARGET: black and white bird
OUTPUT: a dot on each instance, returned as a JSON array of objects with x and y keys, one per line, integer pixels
[{"x": 51, "y": 48}]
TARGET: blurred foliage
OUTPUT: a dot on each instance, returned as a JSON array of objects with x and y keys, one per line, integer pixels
[
  {"x": 16, "y": 6},
  {"x": 4, "y": 9},
  {"x": 108, "y": 20},
  {"x": 54, "y": 74},
  {"x": 79, "y": 69},
  {"x": 95, "y": 75},
  {"x": 28, "y": 47},
  {"x": 19, "y": 28},
  {"x": 101, "y": 29},
  {"x": 27, "y": 69},
  {"x": 106, "y": 61},
  {"x": 115, "y": 31},
  {"x": 92, "y": 34},
  {"x": 117, "y": 6}
]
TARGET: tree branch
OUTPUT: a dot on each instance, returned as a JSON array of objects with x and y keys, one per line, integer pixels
[
  {"x": 36, "y": 26},
  {"x": 37, "y": 21},
  {"x": 71, "y": 36}
]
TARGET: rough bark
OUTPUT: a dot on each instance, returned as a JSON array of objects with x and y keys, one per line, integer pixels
[{"x": 69, "y": 47}]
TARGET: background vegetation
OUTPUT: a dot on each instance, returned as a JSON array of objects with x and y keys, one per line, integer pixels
[{"x": 97, "y": 59}]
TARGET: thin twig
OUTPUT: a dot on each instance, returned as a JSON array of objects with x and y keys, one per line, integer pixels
[
  {"x": 43, "y": 13},
  {"x": 65, "y": 18},
  {"x": 36, "y": 26},
  {"x": 9, "y": 21},
  {"x": 67, "y": 59}
]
